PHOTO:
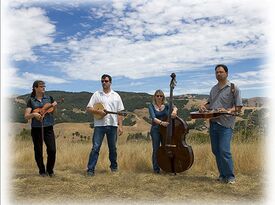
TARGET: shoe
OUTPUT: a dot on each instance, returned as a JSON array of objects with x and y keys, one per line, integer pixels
[
  {"x": 90, "y": 173},
  {"x": 114, "y": 170},
  {"x": 221, "y": 179},
  {"x": 43, "y": 174},
  {"x": 157, "y": 171},
  {"x": 231, "y": 181},
  {"x": 51, "y": 174}
]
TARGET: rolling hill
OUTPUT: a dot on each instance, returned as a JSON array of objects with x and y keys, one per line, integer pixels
[{"x": 74, "y": 105}]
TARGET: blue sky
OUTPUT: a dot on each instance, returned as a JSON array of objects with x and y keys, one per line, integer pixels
[{"x": 140, "y": 43}]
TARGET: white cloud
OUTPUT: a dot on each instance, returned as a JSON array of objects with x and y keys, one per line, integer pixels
[
  {"x": 25, "y": 29},
  {"x": 252, "y": 78},
  {"x": 147, "y": 38},
  {"x": 14, "y": 80},
  {"x": 46, "y": 78},
  {"x": 212, "y": 32}
]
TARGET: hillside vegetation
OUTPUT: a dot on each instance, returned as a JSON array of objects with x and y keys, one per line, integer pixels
[{"x": 72, "y": 110}]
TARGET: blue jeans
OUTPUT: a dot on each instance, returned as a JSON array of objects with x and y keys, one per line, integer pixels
[
  {"x": 220, "y": 142},
  {"x": 99, "y": 132},
  {"x": 156, "y": 141}
]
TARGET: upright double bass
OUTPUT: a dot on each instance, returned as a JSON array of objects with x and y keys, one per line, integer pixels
[{"x": 174, "y": 155}]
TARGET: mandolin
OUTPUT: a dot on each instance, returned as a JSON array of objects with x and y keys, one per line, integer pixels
[
  {"x": 100, "y": 106},
  {"x": 209, "y": 114}
]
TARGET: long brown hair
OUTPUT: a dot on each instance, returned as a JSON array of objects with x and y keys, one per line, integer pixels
[{"x": 35, "y": 85}]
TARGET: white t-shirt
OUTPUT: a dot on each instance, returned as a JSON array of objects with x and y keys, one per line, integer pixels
[{"x": 111, "y": 102}]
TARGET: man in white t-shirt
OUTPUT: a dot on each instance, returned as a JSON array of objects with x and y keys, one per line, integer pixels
[{"x": 104, "y": 123}]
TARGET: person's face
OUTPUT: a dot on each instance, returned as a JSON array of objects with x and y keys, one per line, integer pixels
[
  {"x": 40, "y": 88},
  {"x": 159, "y": 97},
  {"x": 105, "y": 83},
  {"x": 221, "y": 74}
]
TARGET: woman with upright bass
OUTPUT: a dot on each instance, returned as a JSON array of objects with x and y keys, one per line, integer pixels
[
  {"x": 174, "y": 155},
  {"x": 159, "y": 111}
]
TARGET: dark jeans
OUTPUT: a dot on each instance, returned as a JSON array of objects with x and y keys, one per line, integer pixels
[
  {"x": 156, "y": 142},
  {"x": 99, "y": 132},
  {"x": 49, "y": 139},
  {"x": 220, "y": 142}
]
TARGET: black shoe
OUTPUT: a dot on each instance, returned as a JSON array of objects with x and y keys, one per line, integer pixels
[
  {"x": 90, "y": 173},
  {"x": 43, "y": 174},
  {"x": 51, "y": 174},
  {"x": 113, "y": 170},
  {"x": 157, "y": 171}
]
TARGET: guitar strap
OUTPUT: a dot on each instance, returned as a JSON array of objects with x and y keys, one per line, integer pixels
[{"x": 232, "y": 87}]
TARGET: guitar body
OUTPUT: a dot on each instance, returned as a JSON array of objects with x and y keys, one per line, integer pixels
[
  {"x": 98, "y": 106},
  {"x": 179, "y": 151}
]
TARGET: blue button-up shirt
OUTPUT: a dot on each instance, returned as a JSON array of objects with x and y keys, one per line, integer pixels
[{"x": 34, "y": 103}]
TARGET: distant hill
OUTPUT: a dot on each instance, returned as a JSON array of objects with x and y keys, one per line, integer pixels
[
  {"x": 74, "y": 105},
  {"x": 256, "y": 102}
]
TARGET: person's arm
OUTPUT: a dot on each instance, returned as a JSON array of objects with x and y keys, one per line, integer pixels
[
  {"x": 174, "y": 112},
  {"x": 204, "y": 107},
  {"x": 153, "y": 117},
  {"x": 235, "y": 109},
  {"x": 120, "y": 126},
  {"x": 29, "y": 115},
  {"x": 238, "y": 100},
  {"x": 119, "y": 117}
]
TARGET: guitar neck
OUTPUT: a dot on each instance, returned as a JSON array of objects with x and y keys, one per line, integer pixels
[
  {"x": 111, "y": 112},
  {"x": 117, "y": 113},
  {"x": 210, "y": 114}
]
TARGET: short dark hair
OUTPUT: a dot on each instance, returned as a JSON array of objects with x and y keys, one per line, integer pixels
[
  {"x": 106, "y": 76},
  {"x": 223, "y": 66}
]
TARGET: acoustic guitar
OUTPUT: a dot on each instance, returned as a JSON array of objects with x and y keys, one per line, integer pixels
[
  {"x": 209, "y": 114},
  {"x": 100, "y": 106}
]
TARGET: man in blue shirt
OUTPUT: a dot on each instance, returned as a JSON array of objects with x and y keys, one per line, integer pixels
[{"x": 224, "y": 97}]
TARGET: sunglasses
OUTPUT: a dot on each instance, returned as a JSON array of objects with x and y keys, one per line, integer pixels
[
  {"x": 105, "y": 81},
  {"x": 159, "y": 96},
  {"x": 41, "y": 86}
]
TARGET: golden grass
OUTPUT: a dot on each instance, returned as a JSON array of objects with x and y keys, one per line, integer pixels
[
  {"x": 136, "y": 156},
  {"x": 134, "y": 181}
]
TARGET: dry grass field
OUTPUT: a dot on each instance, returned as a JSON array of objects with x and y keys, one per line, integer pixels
[{"x": 134, "y": 182}]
